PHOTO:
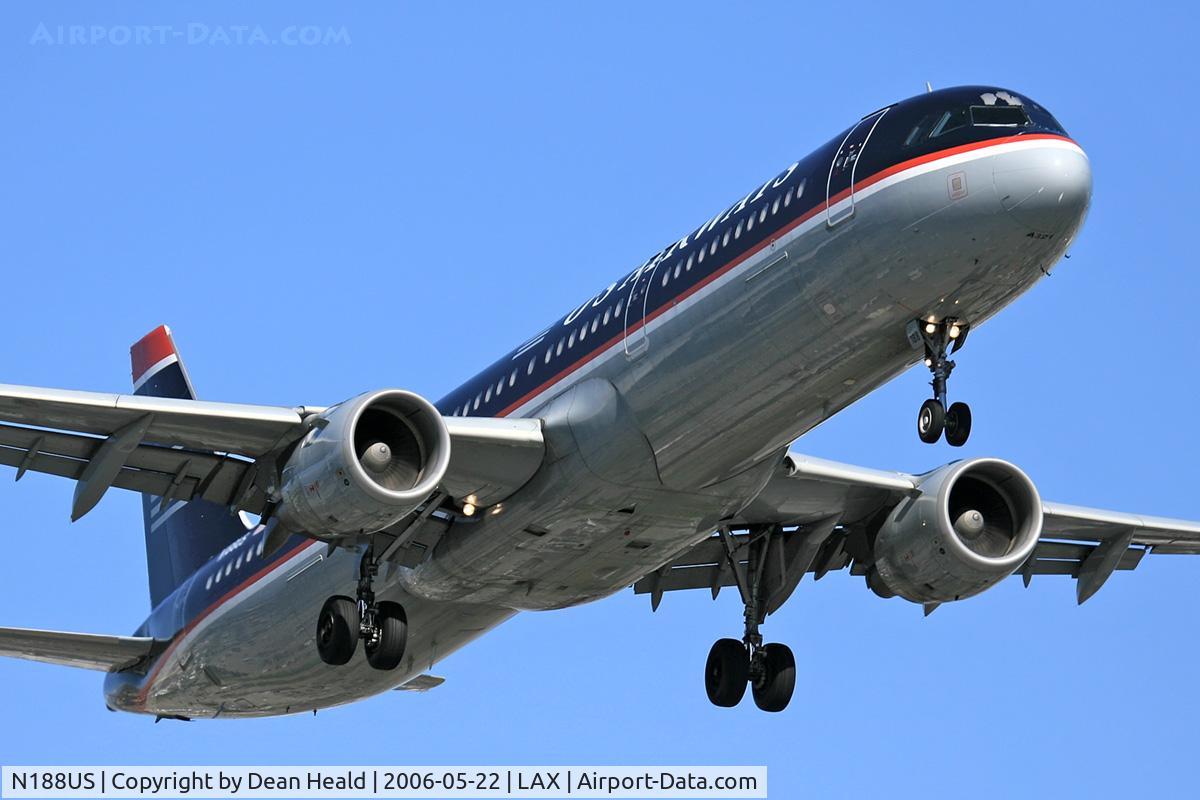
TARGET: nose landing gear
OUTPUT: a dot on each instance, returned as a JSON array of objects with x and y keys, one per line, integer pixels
[
  {"x": 940, "y": 339},
  {"x": 382, "y": 626},
  {"x": 768, "y": 669}
]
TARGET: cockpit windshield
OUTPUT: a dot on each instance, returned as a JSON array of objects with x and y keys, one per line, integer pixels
[
  {"x": 991, "y": 109},
  {"x": 999, "y": 116}
]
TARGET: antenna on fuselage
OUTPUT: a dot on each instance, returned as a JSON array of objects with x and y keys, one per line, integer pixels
[{"x": 928, "y": 88}]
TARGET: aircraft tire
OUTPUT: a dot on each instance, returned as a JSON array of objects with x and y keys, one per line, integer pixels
[
  {"x": 337, "y": 630},
  {"x": 393, "y": 637},
  {"x": 727, "y": 673},
  {"x": 931, "y": 421},
  {"x": 958, "y": 424},
  {"x": 779, "y": 681}
]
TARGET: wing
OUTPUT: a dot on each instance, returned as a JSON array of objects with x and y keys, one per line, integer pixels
[
  {"x": 820, "y": 510},
  {"x": 226, "y": 453},
  {"x": 86, "y": 650}
]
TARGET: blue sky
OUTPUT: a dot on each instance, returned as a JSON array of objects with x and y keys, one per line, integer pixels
[{"x": 400, "y": 207}]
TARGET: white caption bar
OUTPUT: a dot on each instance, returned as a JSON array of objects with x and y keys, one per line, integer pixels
[{"x": 193, "y": 783}]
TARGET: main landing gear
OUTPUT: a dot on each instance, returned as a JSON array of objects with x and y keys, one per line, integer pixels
[
  {"x": 768, "y": 669},
  {"x": 940, "y": 340},
  {"x": 382, "y": 626}
]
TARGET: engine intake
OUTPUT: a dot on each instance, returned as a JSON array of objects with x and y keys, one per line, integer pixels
[
  {"x": 367, "y": 463},
  {"x": 972, "y": 525}
]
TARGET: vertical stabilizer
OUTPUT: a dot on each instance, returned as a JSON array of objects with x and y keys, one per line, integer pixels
[{"x": 180, "y": 536}]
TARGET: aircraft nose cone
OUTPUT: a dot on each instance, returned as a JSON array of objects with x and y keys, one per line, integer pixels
[{"x": 1045, "y": 189}]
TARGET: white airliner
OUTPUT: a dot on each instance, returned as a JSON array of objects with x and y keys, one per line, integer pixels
[{"x": 641, "y": 440}]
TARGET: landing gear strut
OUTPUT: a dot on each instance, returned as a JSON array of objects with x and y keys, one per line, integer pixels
[
  {"x": 382, "y": 626},
  {"x": 768, "y": 669},
  {"x": 940, "y": 340}
]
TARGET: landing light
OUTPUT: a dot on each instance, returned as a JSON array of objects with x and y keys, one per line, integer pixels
[
  {"x": 929, "y": 362},
  {"x": 496, "y": 509},
  {"x": 468, "y": 509},
  {"x": 930, "y": 328},
  {"x": 954, "y": 331}
]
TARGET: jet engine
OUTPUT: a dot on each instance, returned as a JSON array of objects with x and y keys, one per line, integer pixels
[
  {"x": 972, "y": 525},
  {"x": 365, "y": 464}
]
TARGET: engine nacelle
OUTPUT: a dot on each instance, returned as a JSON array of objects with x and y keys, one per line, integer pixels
[
  {"x": 973, "y": 524},
  {"x": 374, "y": 459}
]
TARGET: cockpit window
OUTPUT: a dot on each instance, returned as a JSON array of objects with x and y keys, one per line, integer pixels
[
  {"x": 950, "y": 121},
  {"x": 926, "y": 122},
  {"x": 1043, "y": 118},
  {"x": 919, "y": 130},
  {"x": 999, "y": 116}
]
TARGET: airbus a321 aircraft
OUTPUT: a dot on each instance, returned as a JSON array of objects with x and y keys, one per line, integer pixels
[{"x": 642, "y": 439}]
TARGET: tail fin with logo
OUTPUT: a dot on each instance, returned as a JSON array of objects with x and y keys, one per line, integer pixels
[{"x": 180, "y": 536}]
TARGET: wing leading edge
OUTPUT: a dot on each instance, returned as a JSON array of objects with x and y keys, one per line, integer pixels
[
  {"x": 1088, "y": 544},
  {"x": 188, "y": 449}
]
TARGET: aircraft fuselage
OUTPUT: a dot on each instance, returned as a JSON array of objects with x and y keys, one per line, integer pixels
[{"x": 668, "y": 398}]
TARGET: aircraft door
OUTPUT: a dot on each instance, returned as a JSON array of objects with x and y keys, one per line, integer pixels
[
  {"x": 842, "y": 170},
  {"x": 637, "y": 341}
]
